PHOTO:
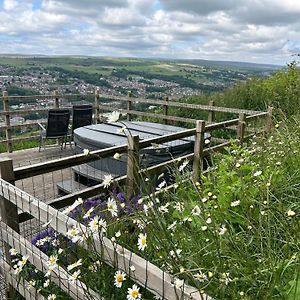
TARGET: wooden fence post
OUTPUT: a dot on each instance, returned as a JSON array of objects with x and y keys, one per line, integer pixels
[
  {"x": 8, "y": 211},
  {"x": 56, "y": 99},
  {"x": 241, "y": 128},
  {"x": 129, "y": 105},
  {"x": 211, "y": 113},
  {"x": 97, "y": 103},
  {"x": 198, "y": 149},
  {"x": 166, "y": 108},
  {"x": 7, "y": 122},
  {"x": 133, "y": 158},
  {"x": 269, "y": 120}
]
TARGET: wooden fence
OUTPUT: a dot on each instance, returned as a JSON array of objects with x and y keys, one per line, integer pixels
[
  {"x": 146, "y": 274},
  {"x": 99, "y": 107}
]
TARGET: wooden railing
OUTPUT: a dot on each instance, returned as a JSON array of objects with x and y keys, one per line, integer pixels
[{"x": 98, "y": 106}]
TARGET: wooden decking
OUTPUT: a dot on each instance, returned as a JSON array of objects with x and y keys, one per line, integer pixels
[{"x": 43, "y": 186}]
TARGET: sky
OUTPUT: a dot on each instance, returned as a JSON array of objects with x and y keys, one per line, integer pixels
[{"x": 260, "y": 31}]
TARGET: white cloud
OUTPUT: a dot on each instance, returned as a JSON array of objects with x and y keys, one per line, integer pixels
[
  {"x": 252, "y": 30},
  {"x": 9, "y": 4}
]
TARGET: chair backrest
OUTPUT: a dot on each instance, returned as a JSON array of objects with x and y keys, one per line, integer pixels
[
  {"x": 82, "y": 116},
  {"x": 58, "y": 122}
]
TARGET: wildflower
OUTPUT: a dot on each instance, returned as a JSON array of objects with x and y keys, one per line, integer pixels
[
  {"x": 52, "y": 260},
  {"x": 74, "y": 235},
  {"x": 210, "y": 274},
  {"x": 23, "y": 261},
  {"x": 113, "y": 117},
  {"x": 179, "y": 206},
  {"x": 209, "y": 194},
  {"x": 31, "y": 284},
  {"x": 184, "y": 164},
  {"x": 88, "y": 213},
  {"x": 235, "y": 203},
  {"x": 178, "y": 283},
  {"x": 290, "y": 213},
  {"x": 112, "y": 207},
  {"x": 161, "y": 185},
  {"x": 117, "y": 156},
  {"x": 172, "y": 226},
  {"x": 225, "y": 278},
  {"x": 257, "y": 173},
  {"x": 60, "y": 251},
  {"x": 277, "y": 125},
  {"x": 13, "y": 252},
  {"x": 50, "y": 270},
  {"x": 223, "y": 230},
  {"x": 51, "y": 297},
  {"x": 78, "y": 202},
  {"x": 46, "y": 283},
  {"x": 208, "y": 221},
  {"x": 119, "y": 278},
  {"x": 164, "y": 208},
  {"x": 237, "y": 165},
  {"x": 203, "y": 228},
  {"x": 133, "y": 293},
  {"x": 204, "y": 199},
  {"x": 75, "y": 265},
  {"x": 86, "y": 152},
  {"x": 17, "y": 269},
  {"x": 201, "y": 277},
  {"x": 107, "y": 180},
  {"x": 206, "y": 141},
  {"x": 121, "y": 130},
  {"x": 196, "y": 211},
  {"x": 142, "y": 241},
  {"x": 118, "y": 234},
  {"x": 75, "y": 276}
]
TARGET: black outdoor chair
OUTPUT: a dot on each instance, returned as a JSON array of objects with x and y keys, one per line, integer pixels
[
  {"x": 57, "y": 126},
  {"x": 81, "y": 116}
]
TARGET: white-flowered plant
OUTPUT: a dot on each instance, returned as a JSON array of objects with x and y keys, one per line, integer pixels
[
  {"x": 113, "y": 117},
  {"x": 142, "y": 241},
  {"x": 108, "y": 179},
  {"x": 112, "y": 207},
  {"x": 119, "y": 278},
  {"x": 74, "y": 234},
  {"x": 75, "y": 276},
  {"x": 133, "y": 293},
  {"x": 76, "y": 264}
]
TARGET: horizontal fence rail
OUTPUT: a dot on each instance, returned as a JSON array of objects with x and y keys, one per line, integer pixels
[{"x": 98, "y": 106}]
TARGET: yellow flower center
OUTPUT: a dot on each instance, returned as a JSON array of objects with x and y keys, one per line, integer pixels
[
  {"x": 143, "y": 241},
  {"x": 134, "y": 294},
  {"x": 119, "y": 278}
]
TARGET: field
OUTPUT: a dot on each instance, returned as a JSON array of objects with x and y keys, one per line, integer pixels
[{"x": 198, "y": 71}]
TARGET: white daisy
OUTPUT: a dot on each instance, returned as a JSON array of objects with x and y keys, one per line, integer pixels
[
  {"x": 107, "y": 180},
  {"x": 113, "y": 117},
  {"x": 119, "y": 278},
  {"x": 142, "y": 241},
  {"x": 75, "y": 265},
  {"x": 133, "y": 293},
  {"x": 112, "y": 207}
]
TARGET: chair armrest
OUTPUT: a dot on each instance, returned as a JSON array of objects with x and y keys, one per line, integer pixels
[{"x": 42, "y": 128}]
